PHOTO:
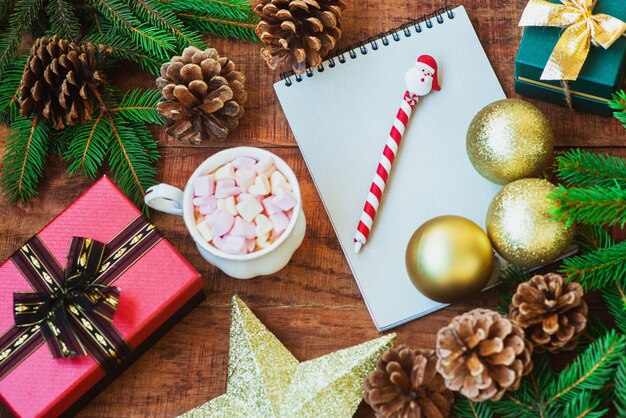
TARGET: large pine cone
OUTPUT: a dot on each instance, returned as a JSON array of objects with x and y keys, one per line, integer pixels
[
  {"x": 406, "y": 385},
  {"x": 203, "y": 95},
  {"x": 552, "y": 312},
  {"x": 61, "y": 82},
  {"x": 482, "y": 354},
  {"x": 298, "y": 32}
]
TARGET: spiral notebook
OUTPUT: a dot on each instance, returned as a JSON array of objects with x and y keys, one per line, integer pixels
[{"x": 341, "y": 113}]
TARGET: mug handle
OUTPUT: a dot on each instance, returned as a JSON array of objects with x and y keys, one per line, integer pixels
[{"x": 165, "y": 198}]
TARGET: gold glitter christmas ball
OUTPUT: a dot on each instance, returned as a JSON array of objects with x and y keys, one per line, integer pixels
[
  {"x": 521, "y": 227},
  {"x": 449, "y": 258},
  {"x": 509, "y": 140}
]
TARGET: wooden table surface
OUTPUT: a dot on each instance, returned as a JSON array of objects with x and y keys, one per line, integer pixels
[{"x": 313, "y": 305}]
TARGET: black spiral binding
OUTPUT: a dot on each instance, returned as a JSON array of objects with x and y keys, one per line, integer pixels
[{"x": 372, "y": 42}]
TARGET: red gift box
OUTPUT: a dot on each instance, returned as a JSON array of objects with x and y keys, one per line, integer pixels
[{"x": 156, "y": 287}]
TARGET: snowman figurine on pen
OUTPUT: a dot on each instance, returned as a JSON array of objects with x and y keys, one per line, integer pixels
[{"x": 420, "y": 80}]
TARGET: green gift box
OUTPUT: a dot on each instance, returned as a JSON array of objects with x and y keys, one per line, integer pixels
[{"x": 601, "y": 75}]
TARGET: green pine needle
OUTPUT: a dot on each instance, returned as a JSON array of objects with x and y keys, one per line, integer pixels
[
  {"x": 464, "y": 408},
  {"x": 140, "y": 105},
  {"x": 226, "y": 18},
  {"x": 9, "y": 86},
  {"x": 592, "y": 206},
  {"x": 592, "y": 238},
  {"x": 132, "y": 157},
  {"x": 618, "y": 103},
  {"x": 619, "y": 402},
  {"x": 123, "y": 48},
  {"x": 24, "y": 158},
  {"x": 20, "y": 21},
  {"x": 88, "y": 149},
  {"x": 597, "y": 269},
  {"x": 590, "y": 371},
  {"x": 585, "y": 404},
  {"x": 63, "y": 22},
  {"x": 615, "y": 297},
  {"x": 586, "y": 169}
]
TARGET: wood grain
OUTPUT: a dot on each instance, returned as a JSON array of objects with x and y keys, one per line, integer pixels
[{"x": 313, "y": 305}]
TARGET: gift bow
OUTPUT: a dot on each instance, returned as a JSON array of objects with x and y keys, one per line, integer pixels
[
  {"x": 70, "y": 303},
  {"x": 582, "y": 28},
  {"x": 73, "y": 308}
]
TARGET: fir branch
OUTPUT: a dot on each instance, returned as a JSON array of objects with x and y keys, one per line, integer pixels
[
  {"x": 592, "y": 238},
  {"x": 20, "y": 21},
  {"x": 615, "y": 297},
  {"x": 88, "y": 149},
  {"x": 123, "y": 48},
  {"x": 590, "y": 371},
  {"x": 26, "y": 151},
  {"x": 62, "y": 19},
  {"x": 597, "y": 269},
  {"x": 160, "y": 15},
  {"x": 6, "y": 6},
  {"x": 585, "y": 405},
  {"x": 226, "y": 18},
  {"x": 586, "y": 169},
  {"x": 464, "y": 408},
  {"x": 140, "y": 105},
  {"x": 510, "y": 277},
  {"x": 9, "y": 86},
  {"x": 592, "y": 206},
  {"x": 595, "y": 329},
  {"x": 132, "y": 156},
  {"x": 618, "y": 103},
  {"x": 619, "y": 400}
]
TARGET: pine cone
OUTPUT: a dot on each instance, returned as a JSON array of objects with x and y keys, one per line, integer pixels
[
  {"x": 298, "y": 32},
  {"x": 552, "y": 312},
  {"x": 60, "y": 82},
  {"x": 203, "y": 95},
  {"x": 406, "y": 384},
  {"x": 483, "y": 354}
]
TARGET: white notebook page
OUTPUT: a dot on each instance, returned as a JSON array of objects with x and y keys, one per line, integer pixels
[{"x": 341, "y": 118}]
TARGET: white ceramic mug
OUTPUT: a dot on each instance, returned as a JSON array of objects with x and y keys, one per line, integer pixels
[{"x": 170, "y": 199}]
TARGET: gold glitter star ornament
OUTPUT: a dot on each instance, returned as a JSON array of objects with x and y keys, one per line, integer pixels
[{"x": 266, "y": 380}]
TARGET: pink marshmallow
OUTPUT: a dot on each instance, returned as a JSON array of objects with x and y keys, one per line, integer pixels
[
  {"x": 230, "y": 244},
  {"x": 270, "y": 208},
  {"x": 220, "y": 222},
  {"x": 250, "y": 245},
  {"x": 280, "y": 221},
  {"x": 243, "y": 229},
  {"x": 269, "y": 171},
  {"x": 209, "y": 201},
  {"x": 264, "y": 165},
  {"x": 243, "y": 162},
  {"x": 284, "y": 199},
  {"x": 245, "y": 178},
  {"x": 245, "y": 196},
  {"x": 204, "y": 185},
  {"x": 225, "y": 188}
]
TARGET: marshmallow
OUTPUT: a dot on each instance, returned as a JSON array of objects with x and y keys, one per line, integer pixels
[
  {"x": 263, "y": 225},
  {"x": 230, "y": 244},
  {"x": 205, "y": 230},
  {"x": 285, "y": 199},
  {"x": 271, "y": 170},
  {"x": 280, "y": 221},
  {"x": 262, "y": 241},
  {"x": 204, "y": 185},
  {"x": 225, "y": 172},
  {"x": 243, "y": 162},
  {"x": 245, "y": 178},
  {"x": 261, "y": 186},
  {"x": 227, "y": 205},
  {"x": 250, "y": 245},
  {"x": 225, "y": 188},
  {"x": 243, "y": 229},
  {"x": 249, "y": 209},
  {"x": 207, "y": 209},
  {"x": 210, "y": 202},
  {"x": 270, "y": 208},
  {"x": 264, "y": 165},
  {"x": 220, "y": 222},
  {"x": 277, "y": 181}
]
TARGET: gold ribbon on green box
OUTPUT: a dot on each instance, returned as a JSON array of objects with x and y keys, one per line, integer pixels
[{"x": 581, "y": 29}]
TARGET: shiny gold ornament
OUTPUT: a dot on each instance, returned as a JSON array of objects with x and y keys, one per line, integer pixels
[
  {"x": 266, "y": 380},
  {"x": 582, "y": 29},
  {"x": 509, "y": 140},
  {"x": 449, "y": 258},
  {"x": 521, "y": 227}
]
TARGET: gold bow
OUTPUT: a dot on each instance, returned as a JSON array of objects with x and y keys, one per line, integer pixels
[{"x": 582, "y": 28}]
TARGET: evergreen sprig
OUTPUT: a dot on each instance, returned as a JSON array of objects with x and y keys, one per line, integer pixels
[
  {"x": 594, "y": 205},
  {"x": 618, "y": 103},
  {"x": 597, "y": 269},
  {"x": 619, "y": 401},
  {"x": 587, "y": 169},
  {"x": 615, "y": 297}
]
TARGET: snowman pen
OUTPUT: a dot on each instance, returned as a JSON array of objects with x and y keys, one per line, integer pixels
[{"x": 420, "y": 80}]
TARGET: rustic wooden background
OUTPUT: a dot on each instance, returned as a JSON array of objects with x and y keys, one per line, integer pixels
[{"x": 313, "y": 305}]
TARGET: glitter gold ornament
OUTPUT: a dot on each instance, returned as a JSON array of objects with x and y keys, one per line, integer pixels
[
  {"x": 266, "y": 380},
  {"x": 521, "y": 227},
  {"x": 449, "y": 258},
  {"x": 509, "y": 140}
]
